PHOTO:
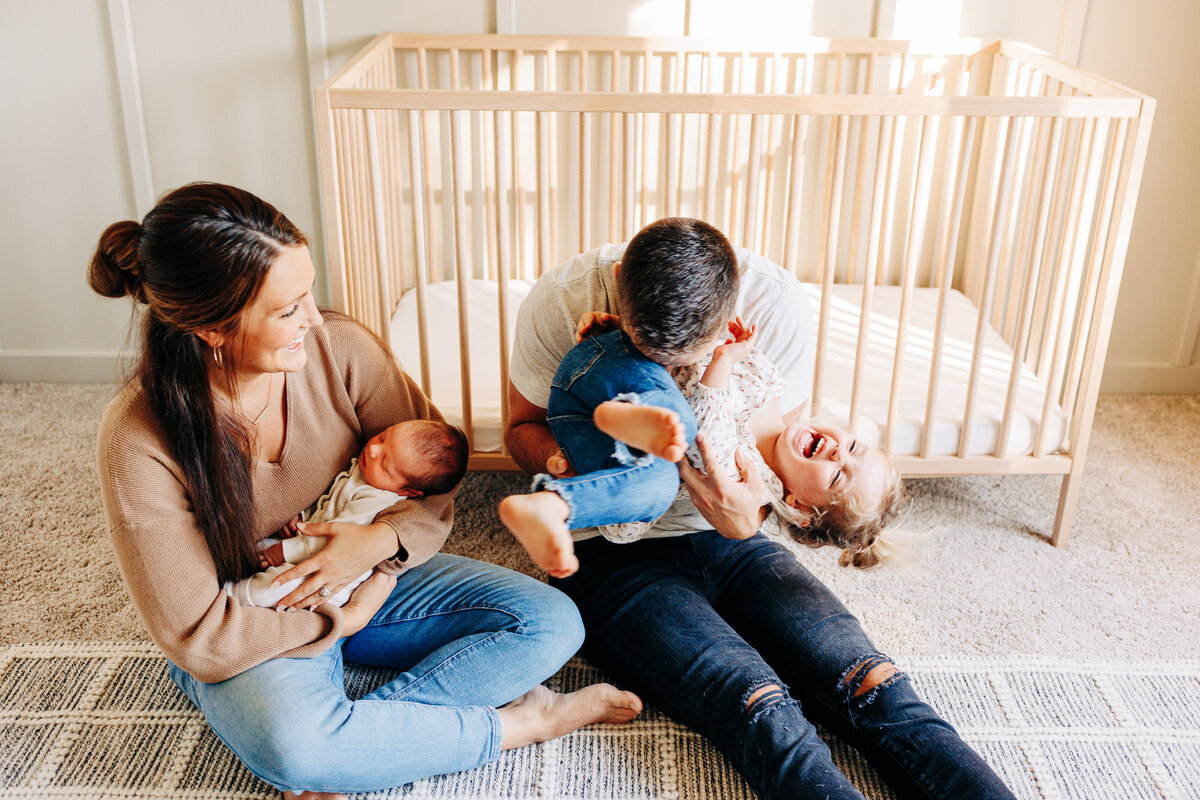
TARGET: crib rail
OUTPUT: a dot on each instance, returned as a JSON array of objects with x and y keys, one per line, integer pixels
[{"x": 984, "y": 168}]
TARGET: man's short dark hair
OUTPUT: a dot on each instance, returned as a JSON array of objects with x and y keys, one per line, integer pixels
[{"x": 677, "y": 285}]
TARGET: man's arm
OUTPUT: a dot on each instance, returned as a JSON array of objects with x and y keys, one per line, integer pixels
[{"x": 528, "y": 438}]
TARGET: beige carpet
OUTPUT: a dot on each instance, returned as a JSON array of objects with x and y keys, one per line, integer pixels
[
  {"x": 1075, "y": 673},
  {"x": 982, "y": 582}
]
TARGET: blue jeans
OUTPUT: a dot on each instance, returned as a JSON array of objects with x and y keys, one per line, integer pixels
[
  {"x": 697, "y": 624},
  {"x": 614, "y": 485},
  {"x": 467, "y": 637}
]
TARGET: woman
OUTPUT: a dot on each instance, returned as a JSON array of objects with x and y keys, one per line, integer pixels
[{"x": 246, "y": 405}]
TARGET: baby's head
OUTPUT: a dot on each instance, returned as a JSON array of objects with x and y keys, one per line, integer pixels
[
  {"x": 837, "y": 490},
  {"x": 415, "y": 458}
]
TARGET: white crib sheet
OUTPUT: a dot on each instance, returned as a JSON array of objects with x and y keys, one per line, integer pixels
[{"x": 837, "y": 372}]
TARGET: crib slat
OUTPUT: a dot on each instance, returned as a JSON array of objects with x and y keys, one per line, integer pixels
[
  {"x": 418, "y": 164},
  {"x": 874, "y": 229},
  {"x": 585, "y": 160},
  {"x": 491, "y": 198},
  {"x": 860, "y": 176},
  {"x": 549, "y": 167},
  {"x": 1033, "y": 273},
  {"x": 994, "y": 246},
  {"x": 380, "y": 217},
  {"x": 837, "y": 169},
  {"x": 1059, "y": 316},
  {"x": 753, "y": 175},
  {"x": 462, "y": 272},
  {"x": 916, "y": 234},
  {"x": 947, "y": 252},
  {"x": 615, "y": 126},
  {"x": 709, "y": 210},
  {"x": 1103, "y": 220},
  {"x": 504, "y": 266}
]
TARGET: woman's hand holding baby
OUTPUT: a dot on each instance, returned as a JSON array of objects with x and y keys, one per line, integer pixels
[
  {"x": 351, "y": 551},
  {"x": 366, "y": 601}
]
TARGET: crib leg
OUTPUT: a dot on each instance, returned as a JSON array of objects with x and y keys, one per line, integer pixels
[{"x": 1068, "y": 498}]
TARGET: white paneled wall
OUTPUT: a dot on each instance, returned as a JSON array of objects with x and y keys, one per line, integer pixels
[{"x": 109, "y": 103}]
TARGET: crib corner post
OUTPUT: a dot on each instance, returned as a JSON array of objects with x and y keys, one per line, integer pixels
[{"x": 1068, "y": 499}]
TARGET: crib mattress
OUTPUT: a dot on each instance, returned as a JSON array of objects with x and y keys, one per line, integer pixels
[{"x": 837, "y": 371}]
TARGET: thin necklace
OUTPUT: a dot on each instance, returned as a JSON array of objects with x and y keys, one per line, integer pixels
[{"x": 270, "y": 386}]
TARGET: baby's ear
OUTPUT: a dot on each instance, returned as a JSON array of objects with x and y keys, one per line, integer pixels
[{"x": 406, "y": 492}]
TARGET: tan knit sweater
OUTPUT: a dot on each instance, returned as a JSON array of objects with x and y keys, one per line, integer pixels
[{"x": 349, "y": 390}]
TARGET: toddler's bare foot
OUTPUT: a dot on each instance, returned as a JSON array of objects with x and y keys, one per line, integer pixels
[
  {"x": 314, "y": 796},
  {"x": 539, "y": 521},
  {"x": 653, "y": 429},
  {"x": 541, "y": 714},
  {"x": 273, "y": 555}
]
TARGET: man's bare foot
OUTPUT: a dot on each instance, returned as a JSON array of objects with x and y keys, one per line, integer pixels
[
  {"x": 313, "y": 796},
  {"x": 539, "y": 521},
  {"x": 273, "y": 555},
  {"x": 540, "y": 714},
  {"x": 653, "y": 429}
]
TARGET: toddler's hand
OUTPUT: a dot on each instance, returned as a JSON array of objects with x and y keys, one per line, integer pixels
[
  {"x": 594, "y": 323},
  {"x": 741, "y": 342}
]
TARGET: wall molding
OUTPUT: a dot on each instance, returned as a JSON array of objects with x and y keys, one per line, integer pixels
[
  {"x": 1149, "y": 378},
  {"x": 129, "y": 89}
]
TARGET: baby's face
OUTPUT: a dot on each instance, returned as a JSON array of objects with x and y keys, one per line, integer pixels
[
  {"x": 819, "y": 464},
  {"x": 384, "y": 458}
]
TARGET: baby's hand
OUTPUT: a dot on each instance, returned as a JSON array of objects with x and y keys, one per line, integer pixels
[
  {"x": 290, "y": 529},
  {"x": 742, "y": 342},
  {"x": 272, "y": 556},
  {"x": 594, "y": 323}
]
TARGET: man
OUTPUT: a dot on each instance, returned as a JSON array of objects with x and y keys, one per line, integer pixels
[{"x": 704, "y": 617}]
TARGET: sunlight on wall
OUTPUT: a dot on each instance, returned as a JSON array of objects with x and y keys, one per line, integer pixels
[{"x": 926, "y": 20}]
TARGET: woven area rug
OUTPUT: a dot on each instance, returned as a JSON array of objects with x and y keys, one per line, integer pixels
[{"x": 95, "y": 720}]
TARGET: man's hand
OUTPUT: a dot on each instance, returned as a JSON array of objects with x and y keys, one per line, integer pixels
[{"x": 733, "y": 508}]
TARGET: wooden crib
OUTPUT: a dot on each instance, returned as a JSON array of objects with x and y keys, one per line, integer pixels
[{"x": 960, "y": 217}]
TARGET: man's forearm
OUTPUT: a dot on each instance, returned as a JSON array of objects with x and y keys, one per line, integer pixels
[{"x": 530, "y": 444}]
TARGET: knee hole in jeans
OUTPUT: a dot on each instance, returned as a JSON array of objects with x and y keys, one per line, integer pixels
[
  {"x": 869, "y": 674},
  {"x": 763, "y": 695}
]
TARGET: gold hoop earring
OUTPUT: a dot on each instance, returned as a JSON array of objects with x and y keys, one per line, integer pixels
[{"x": 219, "y": 358}]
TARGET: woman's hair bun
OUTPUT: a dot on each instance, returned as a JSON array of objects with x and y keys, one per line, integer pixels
[{"x": 115, "y": 270}]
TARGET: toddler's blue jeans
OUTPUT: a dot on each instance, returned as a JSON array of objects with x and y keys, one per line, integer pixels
[{"x": 614, "y": 484}]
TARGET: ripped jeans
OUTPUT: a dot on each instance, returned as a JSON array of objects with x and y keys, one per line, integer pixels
[
  {"x": 737, "y": 640},
  {"x": 614, "y": 484}
]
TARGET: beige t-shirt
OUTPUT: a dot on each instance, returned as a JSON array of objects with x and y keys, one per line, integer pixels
[{"x": 349, "y": 390}]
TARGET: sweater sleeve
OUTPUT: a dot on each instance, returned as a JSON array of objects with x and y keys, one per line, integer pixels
[{"x": 169, "y": 572}]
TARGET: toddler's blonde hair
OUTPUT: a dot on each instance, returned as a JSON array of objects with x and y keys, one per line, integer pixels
[{"x": 857, "y": 528}]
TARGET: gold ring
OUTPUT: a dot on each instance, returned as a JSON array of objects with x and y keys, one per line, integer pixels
[{"x": 324, "y": 591}]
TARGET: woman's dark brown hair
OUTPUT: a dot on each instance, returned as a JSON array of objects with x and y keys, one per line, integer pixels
[{"x": 197, "y": 260}]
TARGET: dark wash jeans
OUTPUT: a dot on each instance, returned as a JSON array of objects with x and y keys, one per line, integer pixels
[{"x": 696, "y": 624}]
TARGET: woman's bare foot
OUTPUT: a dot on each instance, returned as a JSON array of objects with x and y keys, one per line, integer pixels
[
  {"x": 540, "y": 714},
  {"x": 539, "y": 521},
  {"x": 653, "y": 429},
  {"x": 313, "y": 796}
]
